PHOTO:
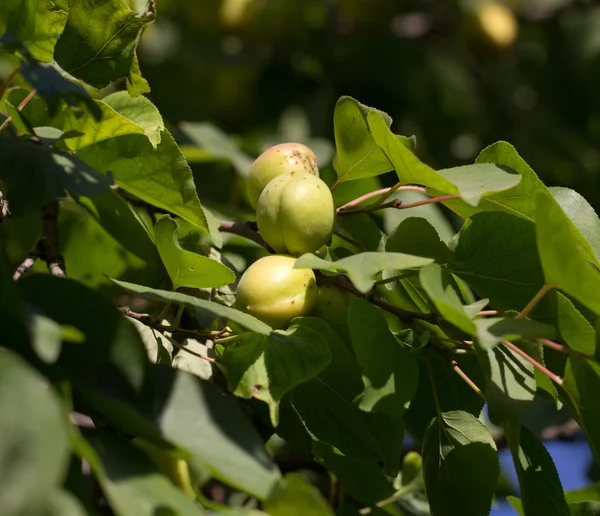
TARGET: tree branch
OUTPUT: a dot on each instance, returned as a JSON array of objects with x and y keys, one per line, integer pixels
[
  {"x": 4, "y": 208},
  {"x": 244, "y": 229},
  {"x": 397, "y": 204},
  {"x": 375, "y": 193},
  {"x": 27, "y": 264},
  {"x": 48, "y": 245}
]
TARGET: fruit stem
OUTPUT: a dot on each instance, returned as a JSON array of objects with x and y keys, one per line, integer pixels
[
  {"x": 555, "y": 378},
  {"x": 385, "y": 192}
]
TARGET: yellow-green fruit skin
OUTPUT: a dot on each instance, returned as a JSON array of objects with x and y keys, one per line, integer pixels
[
  {"x": 332, "y": 306},
  {"x": 497, "y": 24},
  {"x": 274, "y": 292},
  {"x": 295, "y": 213},
  {"x": 283, "y": 158}
]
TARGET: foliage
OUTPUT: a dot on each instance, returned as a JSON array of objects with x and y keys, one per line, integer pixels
[{"x": 120, "y": 323}]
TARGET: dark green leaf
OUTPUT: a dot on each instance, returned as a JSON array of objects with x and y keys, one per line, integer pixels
[
  {"x": 362, "y": 269},
  {"x": 294, "y": 496},
  {"x": 390, "y": 374},
  {"x": 34, "y": 447},
  {"x": 164, "y": 296},
  {"x": 460, "y": 465},
  {"x": 497, "y": 256},
  {"x": 437, "y": 285},
  {"x": 582, "y": 381},
  {"x": 187, "y": 269},
  {"x": 363, "y": 229},
  {"x": 417, "y": 236},
  {"x": 130, "y": 480},
  {"x": 541, "y": 490},
  {"x": 99, "y": 42},
  {"x": 267, "y": 367},
  {"x": 563, "y": 260},
  {"x": 493, "y": 330},
  {"x": 160, "y": 176},
  {"x": 35, "y": 24},
  {"x": 34, "y": 175}
]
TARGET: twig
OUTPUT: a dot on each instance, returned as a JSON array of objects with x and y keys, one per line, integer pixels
[
  {"x": 8, "y": 80},
  {"x": 243, "y": 229},
  {"x": 564, "y": 349},
  {"x": 27, "y": 264},
  {"x": 375, "y": 193},
  {"x": 555, "y": 378},
  {"x": 4, "y": 208},
  {"x": 134, "y": 315},
  {"x": 23, "y": 103},
  {"x": 454, "y": 364},
  {"x": 403, "y": 315},
  {"x": 183, "y": 348},
  {"x": 533, "y": 303},
  {"x": 484, "y": 313},
  {"x": 398, "y": 204},
  {"x": 48, "y": 245}
]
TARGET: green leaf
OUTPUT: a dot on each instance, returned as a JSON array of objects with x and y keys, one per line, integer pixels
[
  {"x": 185, "y": 361},
  {"x": 460, "y": 465},
  {"x": 63, "y": 503},
  {"x": 54, "y": 88},
  {"x": 585, "y": 509},
  {"x": 160, "y": 177},
  {"x": 470, "y": 182},
  {"x": 418, "y": 237},
  {"x": 497, "y": 256},
  {"x": 185, "y": 268},
  {"x": 563, "y": 260},
  {"x": 357, "y": 154},
  {"x": 164, "y": 296},
  {"x": 362, "y": 269},
  {"x": 35, "y": 24},
  {"x": 218, "y": 144},
  {"x": 364, "y": 481},
  {"x": 34, "y": 448},
  {"x": 158, "y": 348},
  {"x": 390, "y": 374},
  {"x": 363, "y": 230},
  {"x": 493, "y": 330},
  {"x": 268, "y": 367},
  {"x": 34, "y": 175},
  {"x": 294, "y": 496},
  {"x": 582, "y": 382},
  {"x": 99, "y": 42},
  {"x": 574, "y": 328},
  {"x": 510, "y": 382},
  {"x": 130, "y": 480},
  {"x": 46, "y": 336},
  {"x": 541, "y": 490},
  {"x": 444, "y": 297}
]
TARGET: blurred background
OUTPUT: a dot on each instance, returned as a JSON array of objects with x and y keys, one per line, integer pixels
[{"x": 459, "y": 75}]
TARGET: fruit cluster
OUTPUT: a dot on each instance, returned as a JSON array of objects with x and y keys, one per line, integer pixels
[{"x": 295, "y": 214}]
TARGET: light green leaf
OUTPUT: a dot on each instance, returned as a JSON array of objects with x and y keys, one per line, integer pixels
[
  {"x": 574, "y": 328},
  {"x": 362, "y": 269},
  {"x": 218, "y": 144},
  {"x": 497, "y": 256},
  {"x": 493, "y": 330},
  {"x": 185, "y": 268},
  {"x": 563, "y": 259},
  {"x": 100, "y": 39},
  {"x": 165, "y": 296},
  {"x": 130, "y": 480},
  {"x": 357, "y": 154},
  {"x": 46, "y": 336},
  {"x": 590, "y": 492},
  {"x": 444, "y": 297},
  {"x": 64, "y": 503},
  {"x": 34, "y": 448},
  {"x": 390, "y": 374},
  {"x": 35, "y": 24},
  {"x": 585, "y": 509},
  {"x": 160, "y": 176},
  {"x": 34, "y": 175},
  {"x": 470, "y": 182},
  {"x": 582, "y": 382},
  {"x": 294, "y": 496},
  {"x": 460, "y": 465},
  {"x": 158, "y": 348},
  {"x": 268, "y": 367},
  {"x": 186, "y": 361},
  {"x": 541, "y": 490}
]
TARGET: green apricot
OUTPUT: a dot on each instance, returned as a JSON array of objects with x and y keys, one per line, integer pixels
[
  {"x": 285, "y": 157},
  {"x": 295, "y": 213},
  {"x": 274, "y": 292},
  {"x": 332, "y": 306}
]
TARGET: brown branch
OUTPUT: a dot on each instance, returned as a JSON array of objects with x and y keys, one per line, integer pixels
[
  {"x": 564, "y": 349},
  {"x": 397, "y": 204},
  {"x": 243, "y": 229},
  {"x": 48, "y": 245},
  {"x": 23, "y": 103},
  {"x": 27, "y": 264},
  {"x": 375, "y": 193}
]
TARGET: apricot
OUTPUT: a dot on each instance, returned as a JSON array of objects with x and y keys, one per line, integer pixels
[
  {"x": 497, "y": 24},
  {"x": 285, "y": 157},
  {"x": 274, "y": 292},
  {"x": 295, "y": 213}
]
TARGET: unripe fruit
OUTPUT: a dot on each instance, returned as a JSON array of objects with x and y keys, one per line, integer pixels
[
  {"x": 285, "y": 157},
  {"x": 295, "y": 213},
  {"x": 497, "y": 24},
  {"x": 332, "y": 306},
  {"x": 274, "y": 292}
]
